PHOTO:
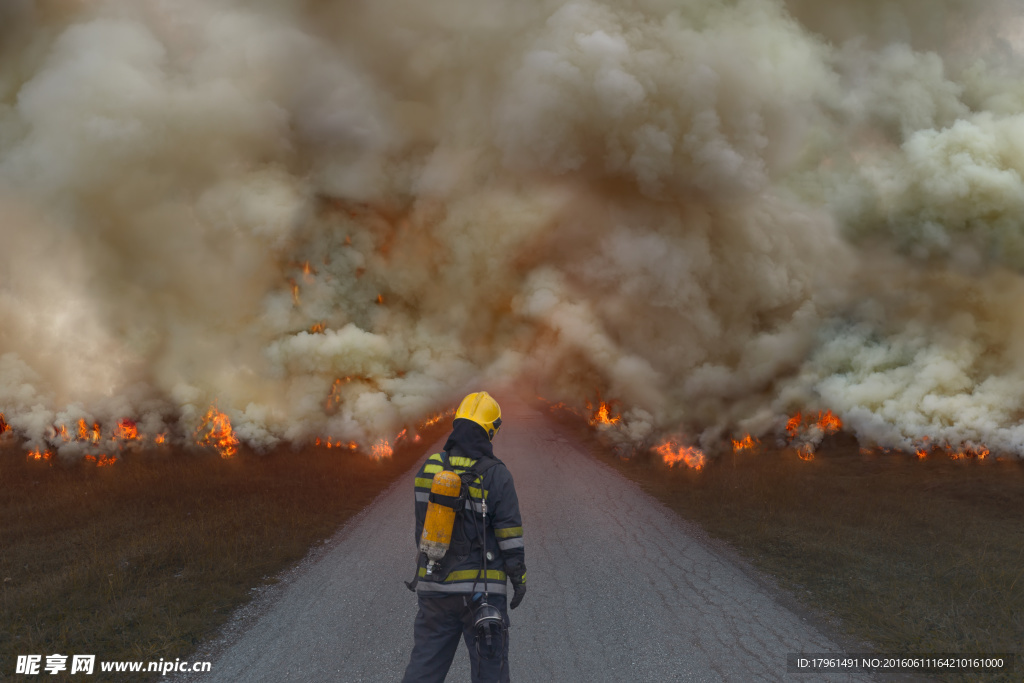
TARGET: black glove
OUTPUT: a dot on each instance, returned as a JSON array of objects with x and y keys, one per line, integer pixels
[
  {"x": 518, "y": 594},
  {"x": 516, "y": 571}
]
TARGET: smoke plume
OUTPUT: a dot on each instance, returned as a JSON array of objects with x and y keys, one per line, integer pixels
[{"x": 329, "y": 220}]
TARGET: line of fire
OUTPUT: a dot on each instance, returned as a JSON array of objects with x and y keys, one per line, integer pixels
[{"x": 801, "y": 433}]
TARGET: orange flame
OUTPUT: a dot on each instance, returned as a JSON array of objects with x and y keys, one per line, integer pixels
[
  {"x": 327, "y": 443},
  {"x": 308, "y": 272},
  {"x": 672, "y": 452},
  {"x": 380, "y": 298},
  {"x": 793, "y": 425},
  {"x": 966, "y": 451},
  {"x": 296, "y": 301},
  {"x": 62, "y": 433},
  {"x": 83, "y": 431},
  {"x": 562, "y": 406},
  {"x": 126, "y": 430},
  {"x": 416, "y": 439},
  {"x": 4, "y": 427},
  {"x": 87, "y": 434},
  {"x": 381, "y": 449},
  {"x": 39, "y": 455},
  {"x": 921, "y": 454},
  {"x": 805, "y": 451},
  {"x": 217, "y": 433},
  {"x": 103, "y": 460},
  {"x": 333, "y": 399},
  {"x": 603, "y": 415},
  {"x": 318, "y": 328},
  {"x": 334, "y": 396},
  {"x": 430, "y": 421},
  {"x": 747, "y": 443},
  {"x": 401, "y": 435},
  {"x": 829, "y": 423},
  {"x": 160, "y": 438}
]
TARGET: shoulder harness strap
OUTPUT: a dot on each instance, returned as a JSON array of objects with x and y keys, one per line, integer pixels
[{"x": 472, "y": 474}]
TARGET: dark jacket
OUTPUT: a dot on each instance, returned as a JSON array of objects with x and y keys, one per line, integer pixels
[{"x": 460, "y": 570}]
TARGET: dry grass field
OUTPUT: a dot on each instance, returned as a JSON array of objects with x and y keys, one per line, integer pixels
[{"x": 147, "y": 558}]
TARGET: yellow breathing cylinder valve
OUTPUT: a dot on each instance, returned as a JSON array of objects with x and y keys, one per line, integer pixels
[{"x": 437, "y": 528}]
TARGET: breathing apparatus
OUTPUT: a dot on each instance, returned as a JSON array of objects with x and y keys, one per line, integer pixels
[
  {"x": 440, "y": 519},
  {"x": 488, "y": 623}
]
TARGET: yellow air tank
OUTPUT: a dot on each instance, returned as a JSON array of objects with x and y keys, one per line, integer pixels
[{"x": 437, "y": 529}]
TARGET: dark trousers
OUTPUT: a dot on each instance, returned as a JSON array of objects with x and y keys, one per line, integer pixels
[{"x": 436, "y": 632}]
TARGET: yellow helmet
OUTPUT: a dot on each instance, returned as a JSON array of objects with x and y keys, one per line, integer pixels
[{"x": 483, "y": 410}]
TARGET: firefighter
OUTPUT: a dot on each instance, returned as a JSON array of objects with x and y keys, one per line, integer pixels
[{"x": 486, "y": 550}]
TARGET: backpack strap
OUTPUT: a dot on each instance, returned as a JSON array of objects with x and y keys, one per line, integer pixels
[
  {"x": 411, "y": 585},
  {"x": 484, "y": 464},
  {"x": 472, "y": 474},
  {"x": 479, "y": 467}
]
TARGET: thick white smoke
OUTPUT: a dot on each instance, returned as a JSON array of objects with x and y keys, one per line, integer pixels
[{"x": 329, "y": 220}]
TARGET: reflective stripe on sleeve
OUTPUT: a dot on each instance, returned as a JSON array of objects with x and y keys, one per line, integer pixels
[
  {"x": 509, "y": 532},
  {"x": 510, "y": 543},
  {"x": 422, "y": 496},
  {"x": 432, "y": 468}
]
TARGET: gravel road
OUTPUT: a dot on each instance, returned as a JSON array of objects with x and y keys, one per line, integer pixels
[{"x": 620, "y": 589}]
